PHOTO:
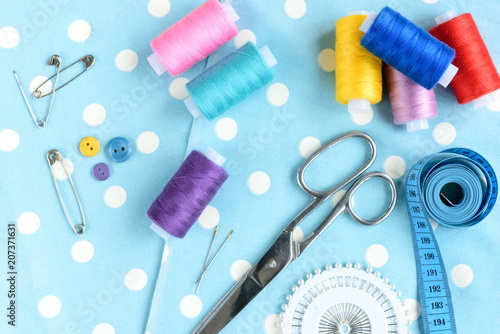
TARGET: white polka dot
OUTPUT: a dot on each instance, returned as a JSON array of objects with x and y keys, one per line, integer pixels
[
  {"x": 136, "y": 279},
  {"x": 9, "y": 37},
  {"x": 413, "y": 307},
  {"x": 82, "y": 251},
  {"x": 295, "y": 8},
  {"x": 495, "y": 106},
  {"x": 49, "y": 306},
  {"x": 338, "y": 196},
  {"x": 178, "y": 89},
  {"x": 28, "y": 223},
  {"x": 259, "y": 183},
  {"x": 148, "y": 142},
  {"x": 434, "y": 224},
  {"x": 115, "y": 197},
  {"x": 462, "y": 275},
  {"x": 166, "y": 253},
  {"x": 9, "y": 140},
  {"x": 103, "y": 328},
  {"x": 394, "y": 166},
  {"x": 226, "y": 128},
  {"x": 239, "y": 268},
  {"x": 362, "y": 118},
  {"x": 94, "y": 114},
  {"x": 277, "y": 94},
  {"x": 190, "y": 306},
  {"x": 444, "y": 133},
  {"x": 244, "y": 36},
  {"x": 297, "y": 234},
  {"x": 37, "y": 81},
  {"x": 376, "y": 255},
  {"x": 209, "y": 217},
  {"x": 270, "y": 324},
  {"x": 79, "y": 30},
  {"x": 158, "y": 8},
  {"x": 326, "y": 60},
  {"x": 126, "y": 60},
  {"x": 59, "y": 171},
  {"x": 308, "y": 145},
  {"x": 430, "y": 1}
]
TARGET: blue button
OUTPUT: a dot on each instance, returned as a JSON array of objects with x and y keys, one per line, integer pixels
[{"x": 119, "y": 149}]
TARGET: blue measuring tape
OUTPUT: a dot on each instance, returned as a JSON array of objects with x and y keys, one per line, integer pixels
[{"x": 449, "y": 188}]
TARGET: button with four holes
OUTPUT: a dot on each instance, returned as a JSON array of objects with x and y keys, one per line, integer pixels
[
  {"x": 119, "y": 149},
  {"x": 100, "y": 171},
  {"x": 89, "y": 146}
]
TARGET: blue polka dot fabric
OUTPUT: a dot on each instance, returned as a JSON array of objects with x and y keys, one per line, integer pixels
[{"x": 119, "y": 276}]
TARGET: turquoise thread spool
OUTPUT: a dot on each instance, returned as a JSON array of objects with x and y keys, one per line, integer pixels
[{"x": 230, "y": 81}]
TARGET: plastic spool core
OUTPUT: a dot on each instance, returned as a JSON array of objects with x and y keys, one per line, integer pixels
[
  {"x": 358, "y": 106},
  {"x": 154, "y": 60},
  {"x": 359, "y": 12},
  {"x": 269, "y": 59},
  {"x": 484, "y": 100},
  {"x": 451, "y": 194},
  {"x": 367, "y": 23},
  {"x": 448, "y": 75},
  {"x": 418, "y": 124},
  {"x": 211, "y": 154}
]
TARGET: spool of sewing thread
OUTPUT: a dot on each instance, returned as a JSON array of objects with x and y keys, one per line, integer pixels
[
  {"x": 477, "y": 77},
  {"x": 411, "y": 103},
  {"x": 187, "y": 194},
  {"x": 230, "y": 81},
  {"x": 193, "y": 38},
  {"x": 408, "y": 48},
  {"x": 358, "y": 72}
]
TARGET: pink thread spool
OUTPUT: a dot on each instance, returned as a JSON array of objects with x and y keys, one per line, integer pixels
[
  {"x": 193, "y": 38},
  {"x": 411, "y": 103}
]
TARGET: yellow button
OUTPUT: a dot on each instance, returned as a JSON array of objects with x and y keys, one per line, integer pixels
[{"x": 89, "y": 146}]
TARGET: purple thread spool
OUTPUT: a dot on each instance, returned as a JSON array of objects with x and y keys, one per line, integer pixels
[
  {"x": 411, "y": 103},
  {"x": 187, "y": 194}
]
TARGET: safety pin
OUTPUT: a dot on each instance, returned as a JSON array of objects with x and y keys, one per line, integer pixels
[
  {"x": 87, "y": 60},
  {"x": 53, "y": 156},
  {"x": 54, "y": 60}
]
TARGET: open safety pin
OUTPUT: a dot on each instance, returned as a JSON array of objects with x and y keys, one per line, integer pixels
[
  {"x": 54, "y": 60},
  {"x": 87, "y": 60},
  {"x": 53, "y": 156}
]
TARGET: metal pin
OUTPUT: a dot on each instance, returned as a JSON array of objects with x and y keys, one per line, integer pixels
[
  {"x": 55, "y": 60},
  {"x": 87, "y": 60},
  {"x": 208, "y": 254},
  {"x": 204, "y": 270},
  {"x": 52, "y": 157}
]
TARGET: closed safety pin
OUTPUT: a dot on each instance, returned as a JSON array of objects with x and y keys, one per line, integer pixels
[
  {"x": 87, "y": 60},
  {"x": 53, "y": 156},
  {"x": 54, "y": 60}
]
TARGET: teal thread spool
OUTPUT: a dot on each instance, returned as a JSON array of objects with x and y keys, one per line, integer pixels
[{"x": 230, "y": 81}]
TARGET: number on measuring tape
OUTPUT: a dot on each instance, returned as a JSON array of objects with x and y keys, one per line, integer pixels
[{"x": 433, "y": 288}]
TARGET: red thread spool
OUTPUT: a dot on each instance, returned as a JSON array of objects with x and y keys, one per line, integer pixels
[{"x": 477, "y": 76}]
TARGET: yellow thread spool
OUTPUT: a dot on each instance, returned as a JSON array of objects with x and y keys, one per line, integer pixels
[{"x": 358, "y": 72}]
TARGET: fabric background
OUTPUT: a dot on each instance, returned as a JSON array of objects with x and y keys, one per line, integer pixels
[{"x": 111, "y": 292}]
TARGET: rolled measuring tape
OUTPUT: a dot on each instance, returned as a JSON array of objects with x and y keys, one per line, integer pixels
[{"x": 456, "y": 188}]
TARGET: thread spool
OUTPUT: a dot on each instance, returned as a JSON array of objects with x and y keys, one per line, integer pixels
[
  {"x": 411, "y": 103},
  {"x": 230, "y": 81},
  {"x": 408, "y": 48},
  {"x": 477, "y": 78},
  {"x": 193, "y": 38},
  {"x": 358, "y": 72},
  {"x": 187, "y": 194}
]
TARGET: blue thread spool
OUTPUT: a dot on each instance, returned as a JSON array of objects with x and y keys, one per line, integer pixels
[
  {"x": 408, "y": 48},
  {"x": 230, "y": 81}
]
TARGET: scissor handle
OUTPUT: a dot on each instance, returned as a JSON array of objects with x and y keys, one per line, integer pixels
[
  {"x": 347, "y": 199},
  {"x": 329, "y": 192}
]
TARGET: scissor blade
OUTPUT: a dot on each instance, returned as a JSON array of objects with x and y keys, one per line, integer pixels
[{"x": 229, "y": 306}]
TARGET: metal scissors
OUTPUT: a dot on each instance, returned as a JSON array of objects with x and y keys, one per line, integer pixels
[{"x": 285, "y": 249}]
